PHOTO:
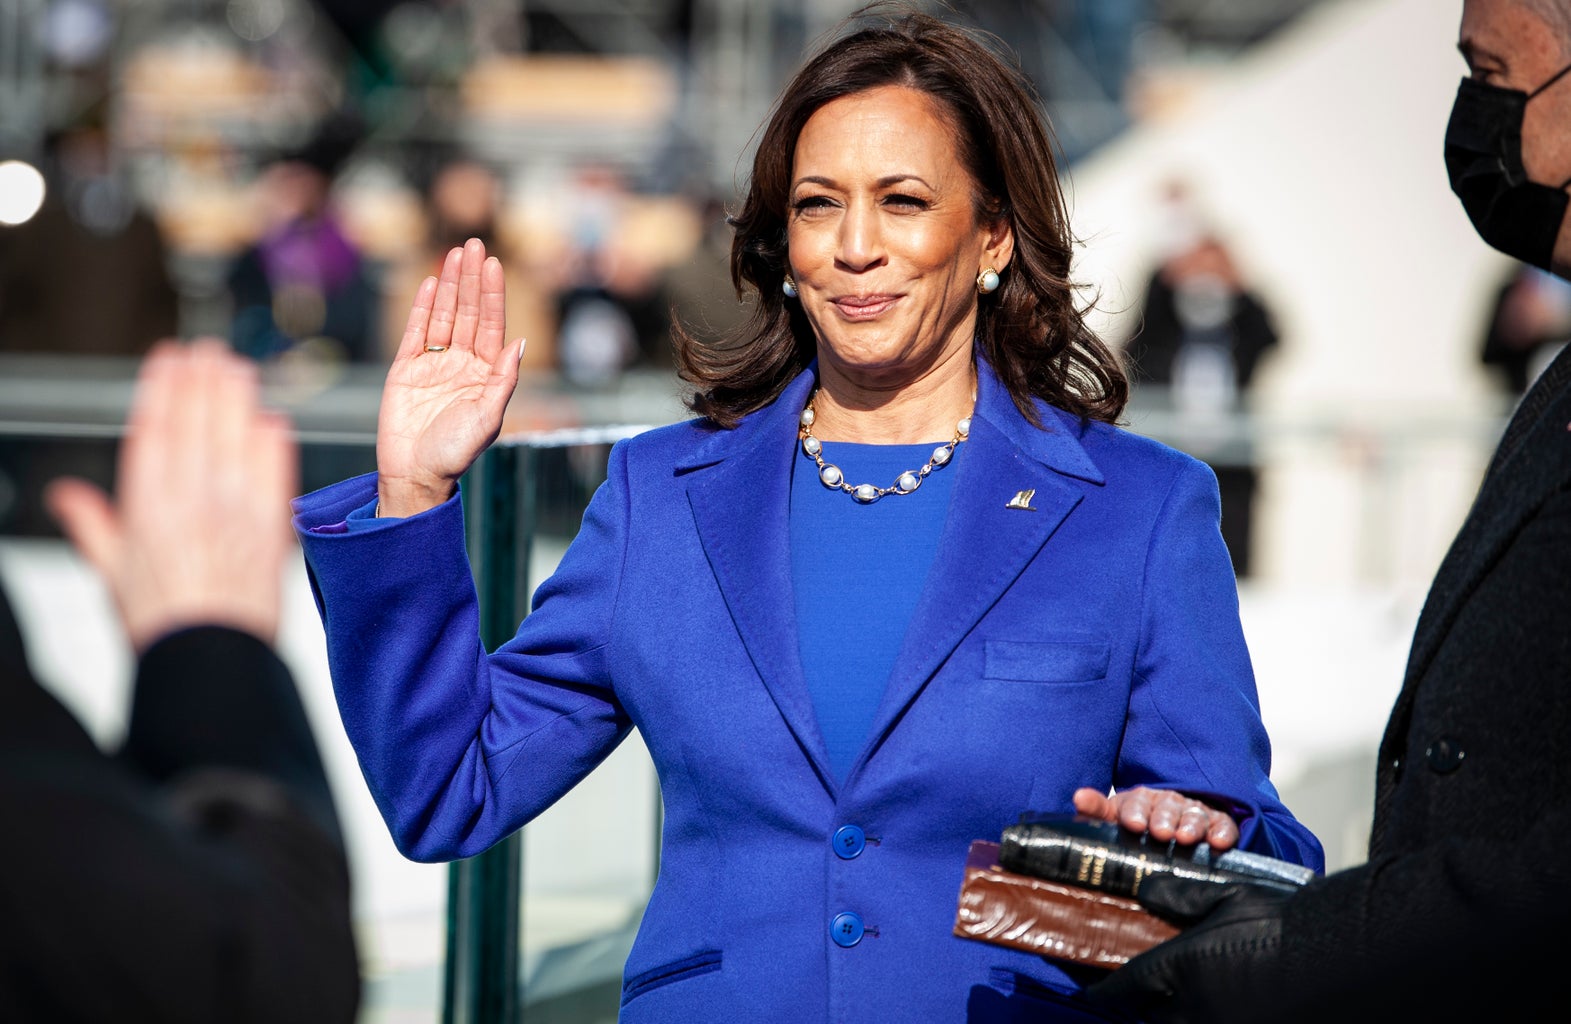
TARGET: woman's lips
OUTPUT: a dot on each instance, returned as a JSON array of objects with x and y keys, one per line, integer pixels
[{"x": 863, "y": 307}]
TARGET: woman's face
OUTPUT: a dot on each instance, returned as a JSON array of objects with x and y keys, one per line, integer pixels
[{"x": 884, "y": 241}]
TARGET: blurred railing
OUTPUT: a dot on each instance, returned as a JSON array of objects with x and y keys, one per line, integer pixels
[{"x": 65, "y": 415}]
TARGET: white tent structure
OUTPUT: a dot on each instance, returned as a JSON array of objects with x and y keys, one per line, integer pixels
[{"x": 1319, "y": 157}]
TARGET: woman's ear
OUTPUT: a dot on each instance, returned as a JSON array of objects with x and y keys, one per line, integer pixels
[{"x": 1000, "y": 243}]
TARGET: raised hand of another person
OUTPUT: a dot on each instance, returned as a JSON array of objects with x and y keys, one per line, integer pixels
[
  {"x": 1164, "y": 813},
  {"x": 198, "y": 530},
  {"x": 448, "y": 386}
]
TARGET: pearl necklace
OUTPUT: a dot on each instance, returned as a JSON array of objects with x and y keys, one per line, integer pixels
[{"x": 905, "y": 483}]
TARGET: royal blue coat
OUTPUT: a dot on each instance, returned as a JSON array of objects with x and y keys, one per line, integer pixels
[{"x": 1093, "y": 640}]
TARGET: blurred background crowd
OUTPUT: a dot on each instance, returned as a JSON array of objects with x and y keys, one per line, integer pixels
[
  {"x": 1268, "y": 235},
  {"x": 283, "y": 172}
]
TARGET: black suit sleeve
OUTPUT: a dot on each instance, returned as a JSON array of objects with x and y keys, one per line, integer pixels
[
  {"x": 198, "y": 876},
  {"x": 1461, "y": 908}
]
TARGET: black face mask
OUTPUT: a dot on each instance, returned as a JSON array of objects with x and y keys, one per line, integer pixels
[{"x": 1521, "y": 218}]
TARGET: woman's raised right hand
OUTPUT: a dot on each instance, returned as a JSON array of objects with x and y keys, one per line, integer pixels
[{"x": 448, "y": 386}]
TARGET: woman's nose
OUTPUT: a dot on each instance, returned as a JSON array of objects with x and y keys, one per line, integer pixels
[{"x": 861, "y": 240}]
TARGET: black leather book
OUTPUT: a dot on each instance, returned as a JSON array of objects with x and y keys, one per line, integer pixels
[{"x": 1104, "y": 856}]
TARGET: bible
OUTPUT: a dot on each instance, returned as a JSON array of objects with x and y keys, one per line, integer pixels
[
  {"x": 1103, "y": 856},
  {"x": 1046, "y": 918},
  {"x": 1067, "y": 887}
]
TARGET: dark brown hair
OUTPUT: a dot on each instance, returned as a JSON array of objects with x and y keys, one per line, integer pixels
[{"x": 1031, "y": 330}]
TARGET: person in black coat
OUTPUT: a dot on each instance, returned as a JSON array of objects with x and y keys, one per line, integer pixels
[
  {"x": 198, "y": 874},
  {"x": 1461, "y": 908},
  {"x": 1203, "y": 333}
]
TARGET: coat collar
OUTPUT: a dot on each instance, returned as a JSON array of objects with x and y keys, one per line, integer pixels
[
  {"x": 739, "y": 493},
  {"x": 1539, "y": 465},
  {"x": 1512, "y": 492}
]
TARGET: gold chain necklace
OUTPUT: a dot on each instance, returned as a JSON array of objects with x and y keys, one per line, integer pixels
[{"x": 905, "y": 483}]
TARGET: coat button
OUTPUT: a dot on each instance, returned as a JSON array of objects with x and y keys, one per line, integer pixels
[
  {"x": 1445, "y": 755},
  {"x": 848, "y": 841},
  {"x": 846, "y": 929}
]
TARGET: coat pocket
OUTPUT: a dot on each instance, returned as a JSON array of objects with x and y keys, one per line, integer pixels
[
  {"x": 677, "y": 970},
  {"x": 1057, "y": 661}
]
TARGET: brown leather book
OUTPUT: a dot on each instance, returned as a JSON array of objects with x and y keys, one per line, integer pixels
[{"x": 1062, "y": 921}]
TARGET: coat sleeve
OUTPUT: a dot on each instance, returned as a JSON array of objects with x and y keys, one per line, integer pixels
[
  {"x": 461, "y": 747},
  {"x": 1194, "y": 715},
  {"x": 1486, "y": 912},
  {"x": 199, "y": 876}
]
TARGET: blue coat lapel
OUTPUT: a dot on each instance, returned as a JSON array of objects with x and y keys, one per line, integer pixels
[
  {"x": 741, "y": 505},
  {"x": 985, "y": 544}
]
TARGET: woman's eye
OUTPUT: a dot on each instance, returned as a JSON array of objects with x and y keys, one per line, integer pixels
[
  {"x": 905, "y": 202},
  {"x": 811, "y": 204}
]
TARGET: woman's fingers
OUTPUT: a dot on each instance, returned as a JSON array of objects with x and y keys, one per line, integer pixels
[
  {"x": 1176, "y": 816},
  {"x": 492, "y": 335},
  {"x": 1093, "y": 803},
  {"x": 1223, "y": 831},
  {"x": 1163, "y": 813},
  {"x": 466, "y": 323},
  {"x": 414, "y": 339},
  {"x": 444, "y": 305},
  {"x": 499, "y": 386},
  {"x": 1191, "y": 824},
  {"x": 1135, "y": 809}
]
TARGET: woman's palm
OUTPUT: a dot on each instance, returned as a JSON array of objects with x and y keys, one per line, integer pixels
[{"x": 449, "y": 383}]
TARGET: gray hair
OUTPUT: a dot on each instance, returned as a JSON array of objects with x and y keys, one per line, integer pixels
[{"x": 1557, "y": 15}]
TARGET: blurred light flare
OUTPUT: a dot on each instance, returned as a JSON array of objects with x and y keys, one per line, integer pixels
[
  {"x": 21, "y": 192},
  {"x": 256, "y": 20}
]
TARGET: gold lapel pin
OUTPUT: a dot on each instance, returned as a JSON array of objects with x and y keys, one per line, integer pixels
[{"x": 1022, "y": 500}]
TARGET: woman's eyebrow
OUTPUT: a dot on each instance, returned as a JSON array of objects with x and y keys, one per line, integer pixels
[{"x": 884, "y": 182}]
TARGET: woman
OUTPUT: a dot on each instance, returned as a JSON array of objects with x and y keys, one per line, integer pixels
[{"x": 841, "y": 685}]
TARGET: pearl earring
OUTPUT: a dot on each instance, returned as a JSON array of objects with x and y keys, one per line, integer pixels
[
  {"x": 987, "y": 281},
  {"x": 789, "y": 287}
]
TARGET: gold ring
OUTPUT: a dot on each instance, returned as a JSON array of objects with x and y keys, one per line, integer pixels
[{"x": 436, "y": 348}]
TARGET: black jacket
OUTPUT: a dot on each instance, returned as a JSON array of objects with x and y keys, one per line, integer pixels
[
  {"x": 1465, "y": 897},
  {"x": 198, "y": 875}
]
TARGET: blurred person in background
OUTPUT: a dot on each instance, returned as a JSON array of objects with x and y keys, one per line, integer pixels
[
  {"x": 465, "y": 197},
  {"x": 1461, "y": 908},
  {"x": 116, "y": 295},
  {"x": 1529, "y": 323},
  {"x": 1202, "y": 334},
  {"x": 900, "y": 580},
  {"x": 702, "y": 298},
  {"x": 612, "y": 309},
  {"x": 198, "y": 873},
  {"x": 303, "y": 287},
  {"x": 87, "y": 276}
]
